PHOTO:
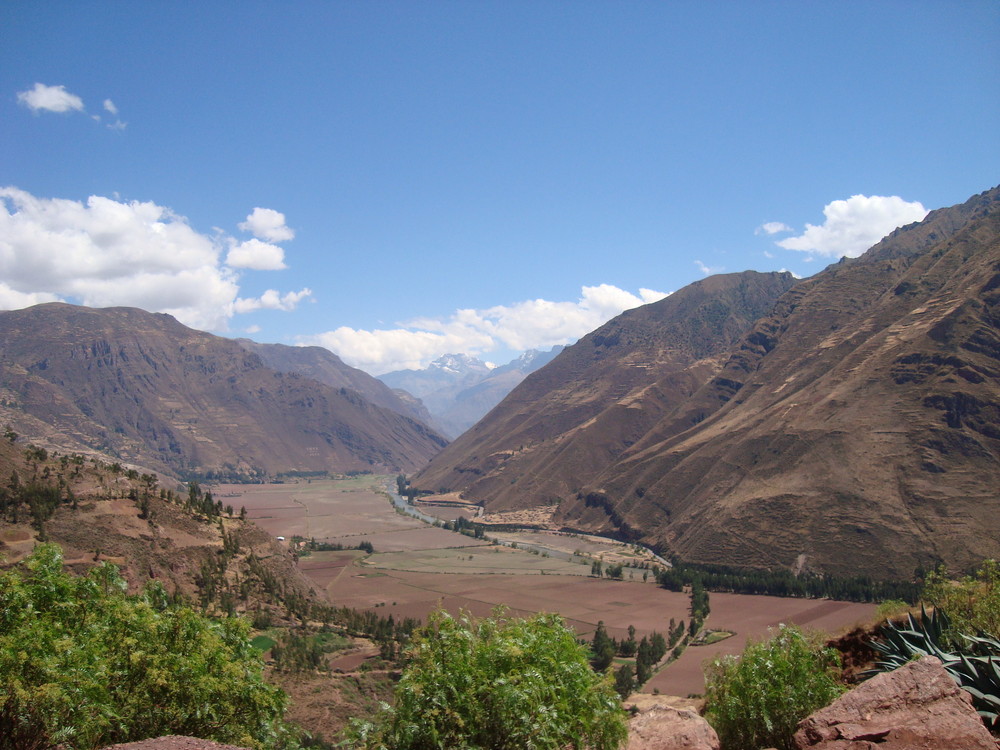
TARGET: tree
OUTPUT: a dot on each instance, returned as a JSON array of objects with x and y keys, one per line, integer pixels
[
  {"x": 83, "y": 664},
  {"x": 625, "y": 681},
  {"x": 498, "y": 683},
  {"x": 757, "y": 699},
  {"x": 603, "y": 648}
]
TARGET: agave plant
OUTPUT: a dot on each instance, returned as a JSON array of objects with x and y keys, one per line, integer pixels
[{"x": 975, "y": 668}]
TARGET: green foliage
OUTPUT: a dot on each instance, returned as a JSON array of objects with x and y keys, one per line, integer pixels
[
  {"x": 83, "y": 665},
  {"x": 756, "y": 699},
  {"x": 603, "y": 648},
  {"x": 497, "y": 683},
  {"x": 625, "y": 681},
  {"x": 972, "y": 603},
  {"x": 784, "y": 583}
]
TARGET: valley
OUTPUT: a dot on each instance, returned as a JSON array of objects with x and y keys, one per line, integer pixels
[{"x": 416, "y": 567}]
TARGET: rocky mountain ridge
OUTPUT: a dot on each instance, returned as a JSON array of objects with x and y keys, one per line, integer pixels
[
  {"x": 145, "y": 389},
  {"x": 851, "y": 429},
  {"x": 570, "y": 419}
]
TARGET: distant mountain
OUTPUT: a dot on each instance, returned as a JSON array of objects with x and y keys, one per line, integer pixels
[
  {"x": 458, "y": 390},
  {"x": 323, "y": 365},
  {"x": 448, "y": 371},
  {"x": 853, "y": 429},
  {"x": 146, "y": 389},
  {"x": 570, "y": 419}
]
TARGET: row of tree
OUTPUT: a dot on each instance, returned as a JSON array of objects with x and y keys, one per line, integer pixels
[{"x": 785, "y": 583}]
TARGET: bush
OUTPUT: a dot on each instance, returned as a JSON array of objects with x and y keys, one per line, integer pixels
[
  {"x": 497, "y": 683},
  {"x": 756, "y": 699},
  {"x": 84, "y": 665},
  {"x": 972, "y": 603}
]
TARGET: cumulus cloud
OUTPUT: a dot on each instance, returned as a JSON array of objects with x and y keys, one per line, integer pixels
[
  {"x": 530, "y": 324},
  {"x": 773, "y": 227},
  {"x": 105, "y": 252},
  {"x": 260, "y": 256},
  {"x": 44, "y": 98},
  {"x": 852, "y": 226},
  {"x": 109, "y": 106},
  {"x": 267, "y": 224},
  {"x": 11, "y": 299},
  {"x": 272, "y": 300}
]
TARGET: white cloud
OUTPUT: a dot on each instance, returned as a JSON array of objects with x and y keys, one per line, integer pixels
[
  {"x": 531, "y": 324},
  {"x": 272, "y": 300},
  {"x": 109, "y": 106},
  {"x": 267, "y": 224},
  {"x": 50, "y": 99},
  {"x": 709, "y": 270},
  {"x": 11, "y": 299},
  {"x": 107, "y": 252},
  {"x": 773, "y": 227},
  {"x": 854, "y": 225},
  {"x": 260, "y": 256}
]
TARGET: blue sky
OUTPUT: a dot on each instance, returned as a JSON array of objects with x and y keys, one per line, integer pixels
[{"x": 400, "y": 180}]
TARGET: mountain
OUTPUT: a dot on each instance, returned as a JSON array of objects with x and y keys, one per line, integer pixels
[
  {"x": 447, "y": 372},
  {"x": 148, "y": 390},
  {"x": 572, "y": 418},
  {"x": 458, "y": 389},
  {"x": 323, "y": 365},
  {"x": 853, "y": 429}
]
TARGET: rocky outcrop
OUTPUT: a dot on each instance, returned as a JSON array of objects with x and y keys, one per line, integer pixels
[
  {"x": 665, "y": 727},
  {"x": 915, "y": 707}
]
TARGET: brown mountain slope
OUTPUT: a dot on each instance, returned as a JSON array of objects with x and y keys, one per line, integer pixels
[
  {"x": 148, "y": 390},
  {"x": 856, "y": 429},
  {"x": 566, "y": 422},
  {"x": 323, "y": 365}
]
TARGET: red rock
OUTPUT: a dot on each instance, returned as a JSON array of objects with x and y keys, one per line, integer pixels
[
  {"x": 916, "y": 707},
  {"x": 668, "y": 728}
]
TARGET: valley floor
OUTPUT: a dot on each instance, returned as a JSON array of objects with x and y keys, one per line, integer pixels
[{"x": 417, "y": 567}]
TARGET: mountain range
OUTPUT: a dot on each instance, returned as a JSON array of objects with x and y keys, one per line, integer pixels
[
  {"x": 458, "y": 390},
  {"x": 145, "y": 389},
  {"x": 851, "y": 424}
]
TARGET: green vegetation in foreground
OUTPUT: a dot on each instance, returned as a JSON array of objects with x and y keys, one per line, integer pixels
[
  {"x": 972, "y": 602},
  {"x": 83, "y": 665},
  {"x": 497, "y": 683},
  {"x": 757, "y": 699},
  {"x": 962, "y": 608}
]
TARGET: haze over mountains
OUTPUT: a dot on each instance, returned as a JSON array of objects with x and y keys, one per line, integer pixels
[
  {"x": 458, "y": 390},
  {"x": 852, "y": 428},
  {"x": 144, "y": 388}
]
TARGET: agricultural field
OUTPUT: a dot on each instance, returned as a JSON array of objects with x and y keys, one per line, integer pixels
[
  {"x": 417, "y": 567},
  {"x": 750, "y": 617}
]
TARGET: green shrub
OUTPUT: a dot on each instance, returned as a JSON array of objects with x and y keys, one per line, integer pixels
[
  {"x": 756, "y": 699},
  {"x": 497, "y": 683},
  {"x": 972, "y": 603},
  {"x": 84, "y": 665}
]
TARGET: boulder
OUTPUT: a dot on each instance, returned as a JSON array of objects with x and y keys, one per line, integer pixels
[
  {"x": 915, "y": 707},
  {"x": 664, "y": 727}
]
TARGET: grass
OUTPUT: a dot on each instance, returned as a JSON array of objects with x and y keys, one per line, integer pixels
[
  {"x": 263, "y": 643},
  {"x": 714, "y": 636}
]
